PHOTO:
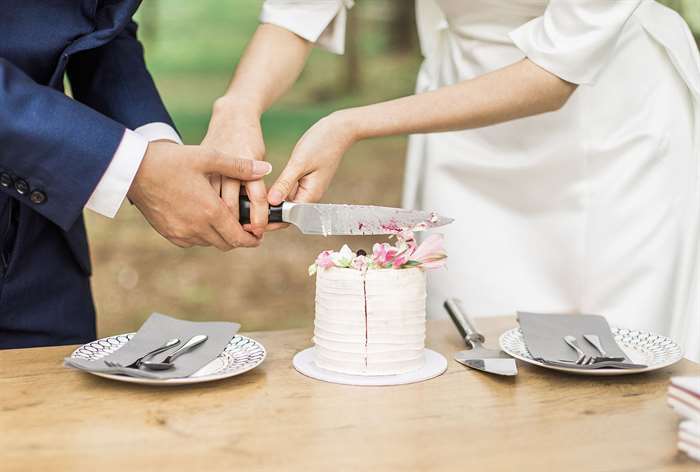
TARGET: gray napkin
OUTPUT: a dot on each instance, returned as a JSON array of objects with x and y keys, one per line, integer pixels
[
  {"x": 544, "y": 333},
  {"x": 154, "y": 333}
]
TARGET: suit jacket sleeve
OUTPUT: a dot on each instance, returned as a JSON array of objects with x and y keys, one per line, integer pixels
[
  {"x": 54, "y": 143},
  {"x": 114, "y": 80}
]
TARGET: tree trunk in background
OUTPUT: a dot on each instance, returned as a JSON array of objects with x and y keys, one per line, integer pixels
[
  {"x": 402, "y": 28},
  {"x": 352, "y": 78}
]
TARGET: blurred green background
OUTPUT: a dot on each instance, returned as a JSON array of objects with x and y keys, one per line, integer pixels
[{"x": 192, "y": 49}]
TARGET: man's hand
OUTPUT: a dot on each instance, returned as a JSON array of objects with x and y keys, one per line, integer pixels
[
  {"x": 173, "y": 191},
  {"x": 236, "y": 131},
  {"x": 314, "y": 161}
]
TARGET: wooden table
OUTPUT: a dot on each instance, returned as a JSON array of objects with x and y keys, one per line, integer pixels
[{"x": 272, "y": 418}]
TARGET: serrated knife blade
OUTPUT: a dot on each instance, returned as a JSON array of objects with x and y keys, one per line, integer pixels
[{"x": 330, "y": 219}]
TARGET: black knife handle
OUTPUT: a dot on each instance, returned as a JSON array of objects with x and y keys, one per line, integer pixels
[
  {"x": 274, "y": 214},
  {"x": 462, "y": 322}
]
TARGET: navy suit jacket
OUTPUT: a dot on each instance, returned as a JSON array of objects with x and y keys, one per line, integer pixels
[{"x": 54, "y": 150}]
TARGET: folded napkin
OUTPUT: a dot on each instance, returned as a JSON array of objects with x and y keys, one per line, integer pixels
[
  {"x": 544, "y": 335},
  {"x": 684, "y": 398},
  {"x": 683, "y": 409},
  {"x": 153, "y": 334},
  {"x": 688, "y": 383},
  {"x": 689, "y": 438}
]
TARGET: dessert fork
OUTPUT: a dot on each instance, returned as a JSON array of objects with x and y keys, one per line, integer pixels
[
  {"x": 167, "y": 363},
  {"x": 594, "y": 340},
  {"x": 137, "y": 363},
  {"x": 583, "y": 358}
]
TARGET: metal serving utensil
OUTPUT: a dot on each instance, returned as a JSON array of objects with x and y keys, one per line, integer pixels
[{"x": 493, "y": 361}]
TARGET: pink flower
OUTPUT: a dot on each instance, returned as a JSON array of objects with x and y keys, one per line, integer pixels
[
  {"x": 399, "y": 261},
  {"x": 360, "y": 263},
  {"x": 405, "y": 253},
  {"x": 431, "y": 253},
  {"x": 325, "y": 260},
  {"x": 383, "y": 254}
]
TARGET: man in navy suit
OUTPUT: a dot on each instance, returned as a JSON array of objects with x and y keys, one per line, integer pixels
[{"x": 59, "y": 155}]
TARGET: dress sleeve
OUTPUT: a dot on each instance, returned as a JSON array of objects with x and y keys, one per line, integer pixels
[
  {"x": 574, "y": 39},
  {"x": 321, "y": 22}
]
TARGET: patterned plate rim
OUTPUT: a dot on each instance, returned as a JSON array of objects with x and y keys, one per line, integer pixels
[
  {"x": 650, "y": 368},
  {"x": 177, "y": 381}
]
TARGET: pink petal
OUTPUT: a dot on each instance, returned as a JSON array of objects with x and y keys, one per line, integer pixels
[
  {"x": 436, "y": 264},
  {"x": 399, "y": 261},
  {"x": 433, "y": 245}
]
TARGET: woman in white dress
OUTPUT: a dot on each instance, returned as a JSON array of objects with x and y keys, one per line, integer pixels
[{"x": 563, "y": 136}]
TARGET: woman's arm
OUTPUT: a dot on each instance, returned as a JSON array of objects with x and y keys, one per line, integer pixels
[
  {"x": 270, "y": 64},
  {"x": 516, "y": 91}
]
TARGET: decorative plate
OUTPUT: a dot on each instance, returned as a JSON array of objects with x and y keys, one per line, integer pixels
[
  {"x": 240, "y": 355},
  {"x": 641, "y": 347}
]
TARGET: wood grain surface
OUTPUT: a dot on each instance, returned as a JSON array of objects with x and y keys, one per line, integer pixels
[{"x": 272, "y": 418}]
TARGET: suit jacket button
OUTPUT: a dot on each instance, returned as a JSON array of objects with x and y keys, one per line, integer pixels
[
  {"x": 38, "y": 197},
  {"x": 5, "y": 180},
  {"x": 21, "y": 186}
]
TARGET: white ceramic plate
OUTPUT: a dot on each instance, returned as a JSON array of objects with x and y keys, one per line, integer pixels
[
  {"x": 435, "y": 364},
  {"x": 240, "y": 355},
  {"x": 641, "y": 347}
]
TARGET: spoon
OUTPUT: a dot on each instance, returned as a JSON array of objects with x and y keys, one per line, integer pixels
[{"x": 168, "y": 362}]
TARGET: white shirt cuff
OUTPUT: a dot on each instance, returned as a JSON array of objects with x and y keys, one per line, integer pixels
[
  {"x": 158, "y": 132},
  {"x": 116, "y": 181}
]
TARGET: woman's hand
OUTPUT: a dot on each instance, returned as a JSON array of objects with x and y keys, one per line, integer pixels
[
  {"x": 235, "y": 131},
  {"x": 314, "y": 160}
]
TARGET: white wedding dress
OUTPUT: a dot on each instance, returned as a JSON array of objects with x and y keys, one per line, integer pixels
[{"x": 594, "y": 208}]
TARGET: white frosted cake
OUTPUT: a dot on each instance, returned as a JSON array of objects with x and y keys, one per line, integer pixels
[
  {"x": 370, "y": 322},
  {"x": 370, "y": 309}
]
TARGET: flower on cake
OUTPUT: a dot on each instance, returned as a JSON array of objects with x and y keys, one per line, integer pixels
[
  {"x": 344, "y": 257},
  {"x": 431, "y": 253},
  {"x": 325, "y": 260},
  {"x": 360, "y": 262},
  {"x": 406, "y": 253}
]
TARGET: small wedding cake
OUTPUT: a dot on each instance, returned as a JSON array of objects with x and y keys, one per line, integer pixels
[{"x": 370, "y": 309}]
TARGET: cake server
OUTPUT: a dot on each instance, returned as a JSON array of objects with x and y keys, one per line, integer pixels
[
  {"x": 493, "y": 361},
  {"x": 340, "y": 219}
]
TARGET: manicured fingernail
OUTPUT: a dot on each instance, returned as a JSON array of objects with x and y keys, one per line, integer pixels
[
  {"x": 261, "y": 168},
  {"x": 275, "y": 196}
]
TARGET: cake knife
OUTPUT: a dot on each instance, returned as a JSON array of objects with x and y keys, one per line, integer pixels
[
  {"x": 478, "y": 357},
  {"x": 340, "y": 219}
]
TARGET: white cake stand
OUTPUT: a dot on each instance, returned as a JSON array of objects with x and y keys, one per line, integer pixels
[{"x": 435, "y": 364}]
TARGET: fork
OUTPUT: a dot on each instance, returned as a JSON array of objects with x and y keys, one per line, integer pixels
[
  {"x": 583, "y": 358},
  {"x": 137, "y": 363},
  {"x": 594, "y": 340}
]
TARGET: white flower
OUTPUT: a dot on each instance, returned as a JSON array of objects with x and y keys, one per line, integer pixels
[{"x": 344, "y": 257}]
